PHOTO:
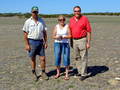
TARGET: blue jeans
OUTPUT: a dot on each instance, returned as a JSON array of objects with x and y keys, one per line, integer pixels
[{"x": 62, "y": 49}]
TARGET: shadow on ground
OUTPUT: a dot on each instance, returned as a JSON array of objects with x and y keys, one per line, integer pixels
[{"x": 93, "y": 70}]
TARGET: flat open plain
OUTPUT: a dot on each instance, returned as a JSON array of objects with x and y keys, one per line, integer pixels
[{"x": 104, "y": 57}]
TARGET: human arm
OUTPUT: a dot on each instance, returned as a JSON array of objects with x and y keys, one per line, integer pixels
[
  {"x": 26, "y": 31},
  {"x": 88, "y": 39},
  {"x": 88, "y": 27},
  {"x": 27, "y": 45},
  {"x": 54, "y": 34},
  {"x": 45, "y": 38}
]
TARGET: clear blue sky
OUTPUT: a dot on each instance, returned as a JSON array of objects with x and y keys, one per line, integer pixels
[{"x": 59, "y": 6}]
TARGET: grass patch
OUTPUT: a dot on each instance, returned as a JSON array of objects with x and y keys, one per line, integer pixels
[{"x": 71, "y": 86}]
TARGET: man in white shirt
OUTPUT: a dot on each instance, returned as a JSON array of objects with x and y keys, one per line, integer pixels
[{"x": 35, "y": 37}]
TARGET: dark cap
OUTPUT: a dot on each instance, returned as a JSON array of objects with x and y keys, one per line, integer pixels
[{"x": 34, "y": 8}]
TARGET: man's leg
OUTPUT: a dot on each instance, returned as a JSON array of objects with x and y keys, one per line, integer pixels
[
  {"x": 77, "y": 53},
  {"x": 43, "y": 66},
  {"x": 84, "y": 59},
  {"x": 77, "y": 57},
  {"x": 42, "y": 63},
  {"x": 78, "y": 62},
  {"x": 32, "y": 55},
  {"x": 33, "y": 63}
]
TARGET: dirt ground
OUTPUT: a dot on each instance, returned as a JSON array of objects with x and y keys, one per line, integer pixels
[{"x": 103, "y": 64}]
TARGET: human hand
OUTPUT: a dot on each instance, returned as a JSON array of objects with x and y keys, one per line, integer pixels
[
  {"x": 59, "y": 37},
  {"x": 88, "y": 45},
  {"x": 27, "y": 47},
  {"x": 45, "y": 45}
]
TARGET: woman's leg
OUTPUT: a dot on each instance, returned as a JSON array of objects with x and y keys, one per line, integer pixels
[
  {"x": 58, "y": 71},
  {"x": 66, "y": 58},
  {"x": 57, "y": 53},
  {"x": 66, "y": 73}
]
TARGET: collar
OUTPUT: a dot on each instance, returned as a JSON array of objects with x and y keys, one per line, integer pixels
[
  {"x": 76, "y": 18},
  {"x": 33, "y": 19}
]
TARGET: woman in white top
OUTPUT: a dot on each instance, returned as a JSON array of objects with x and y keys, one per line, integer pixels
[{"x": 62, "y": 34}]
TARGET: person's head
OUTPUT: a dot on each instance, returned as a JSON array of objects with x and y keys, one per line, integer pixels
[
  {"x": 77, "y": 11},
  {"x": 34, "y": 11},
  {"x": 61, "y": 19}
]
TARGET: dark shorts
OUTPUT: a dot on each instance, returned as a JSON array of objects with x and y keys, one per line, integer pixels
[{"x": 37, "y": 48}]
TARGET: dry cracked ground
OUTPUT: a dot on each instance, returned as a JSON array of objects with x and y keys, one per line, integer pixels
[{"x": 103, "y": 64}]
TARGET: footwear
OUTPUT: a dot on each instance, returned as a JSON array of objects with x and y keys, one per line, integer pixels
[
  {"x": 66, "y": 78},
  {"x": 56, "y": 76},
  {"x": 77, "y": 75},
  {"x": 44, "y": 76},
  {"x": 82, "y": 78},
  {"x": 34, "y": 75}
]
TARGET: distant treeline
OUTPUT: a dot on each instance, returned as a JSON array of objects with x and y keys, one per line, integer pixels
[{"x": 27, "y": 15}]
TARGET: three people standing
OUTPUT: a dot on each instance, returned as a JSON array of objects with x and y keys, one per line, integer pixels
[{"x": 79, "y": 30}]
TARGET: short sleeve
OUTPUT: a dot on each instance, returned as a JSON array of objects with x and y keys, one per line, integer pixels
[
  {"x": 70, "y": 24},
  {"x": 25, "y": 27},
  {"x": 88, "y": 26},
  {"x": 44, "y": 25}
]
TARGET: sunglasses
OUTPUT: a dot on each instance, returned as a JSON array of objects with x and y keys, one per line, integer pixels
[
  {"x": 77, "y": 11},
  {"x": 61, "y": 19},
  {"x": 35, "y": 12}
]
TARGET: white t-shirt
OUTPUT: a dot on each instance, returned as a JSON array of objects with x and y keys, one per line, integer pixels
[
  {"x": 62, "y": 32},
  {"x": 34, "y": 30}
]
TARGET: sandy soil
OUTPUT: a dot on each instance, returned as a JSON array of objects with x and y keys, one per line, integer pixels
[{"x": 104, "y": 58}]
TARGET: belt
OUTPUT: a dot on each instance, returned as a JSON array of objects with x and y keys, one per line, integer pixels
[
  {"x": 79, "y": 38},
  {"x": 41, "y": 40}
]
